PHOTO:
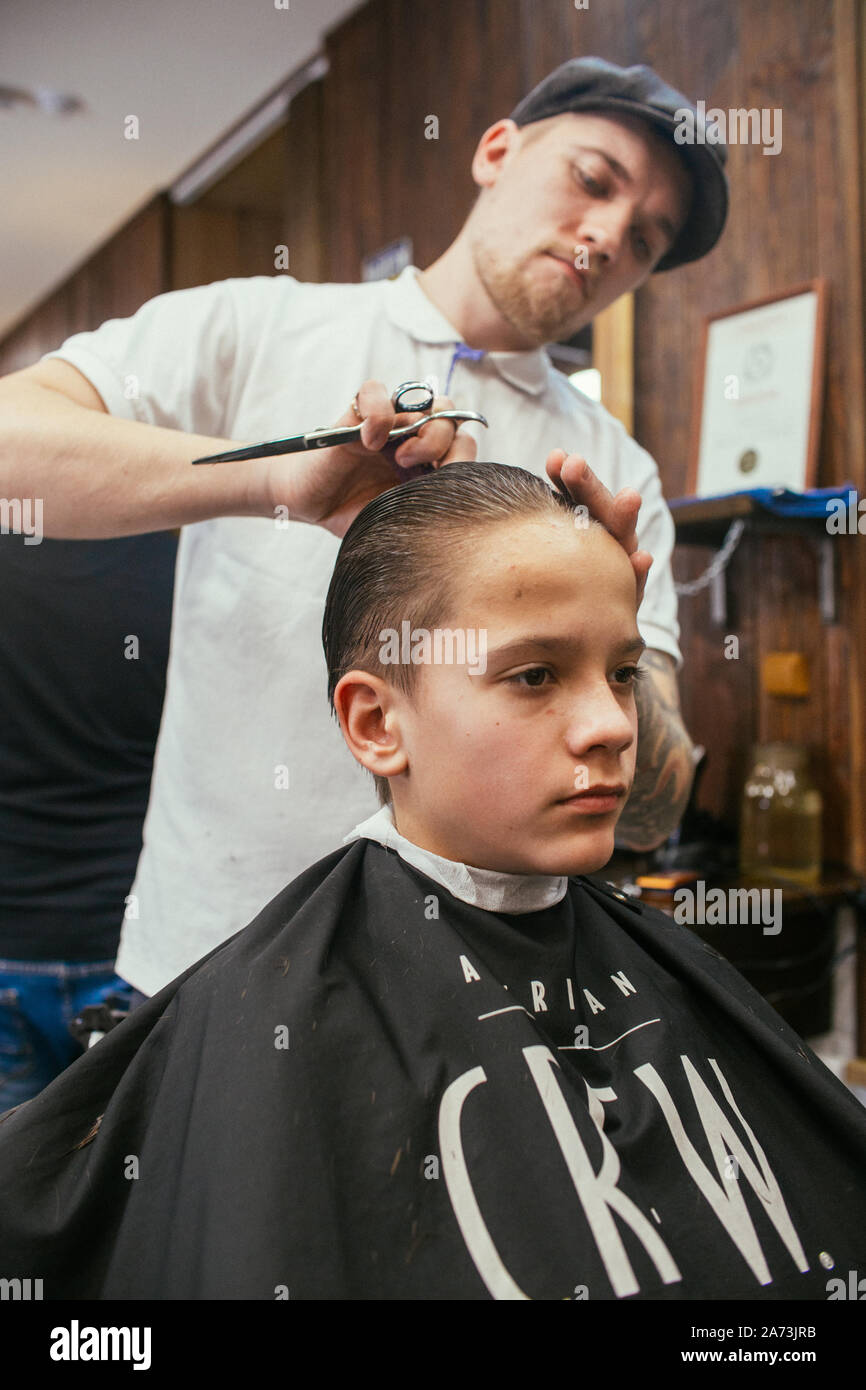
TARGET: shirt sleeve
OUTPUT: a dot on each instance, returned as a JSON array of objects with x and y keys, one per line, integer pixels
[
  {"x": 174, "y": 363},
  {"x": 657, "y": 615}
]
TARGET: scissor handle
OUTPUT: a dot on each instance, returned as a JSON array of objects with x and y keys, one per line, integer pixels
[
  {"x": 413, "y": 395},
  {"x": 406, "y": 430},
  {"x": 350, "y": 434}
]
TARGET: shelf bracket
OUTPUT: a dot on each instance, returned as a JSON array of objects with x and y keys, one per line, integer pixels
[
  {"x": 826, "y": 579},
  {"x": 719, "y": 599}
]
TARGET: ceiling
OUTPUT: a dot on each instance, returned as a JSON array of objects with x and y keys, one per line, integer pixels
[{"x": 187, "y": 69}]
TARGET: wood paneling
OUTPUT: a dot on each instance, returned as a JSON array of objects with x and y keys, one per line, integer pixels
[
  {"x": 383, "y": 177},
  {"x": 306, "y": 230},
  {"x": 218, "y": 243},
  {"x": 235, "y": 227},
  {"x": 115, "y": 281},
  {"x": 613, "y": 357},
  {"x": 257, "y": 182}
]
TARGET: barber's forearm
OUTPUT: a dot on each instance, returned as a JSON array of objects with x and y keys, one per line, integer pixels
[
  {"x": 665, "y": 768},
  {"x": 660, "y": 792},
  {"x": 99, "y": 476}
]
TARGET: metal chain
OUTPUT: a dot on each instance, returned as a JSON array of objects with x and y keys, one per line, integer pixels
[{"x": 718, "y": 563}]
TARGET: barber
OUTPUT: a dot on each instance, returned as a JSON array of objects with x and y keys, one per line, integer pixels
[{"x": 583, "y": 195}]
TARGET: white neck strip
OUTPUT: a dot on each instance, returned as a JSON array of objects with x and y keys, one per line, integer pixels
[{"x": 486, "y": 888}]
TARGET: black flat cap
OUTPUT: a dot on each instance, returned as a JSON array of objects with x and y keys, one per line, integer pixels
[{"x": 593, "y": 84}]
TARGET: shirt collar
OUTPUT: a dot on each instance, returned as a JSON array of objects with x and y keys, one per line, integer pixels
[
  {"x": 410, "y": 309},
  {"x": 485, "y": 888}
]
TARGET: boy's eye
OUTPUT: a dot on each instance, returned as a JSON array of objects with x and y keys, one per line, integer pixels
[
  {"x": 632, "y": 675},
  {"x": 536, "y": 677},
  {"x": 533, "y": 679}
]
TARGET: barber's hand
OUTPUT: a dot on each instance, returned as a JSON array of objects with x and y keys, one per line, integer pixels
[
  {"x": 617, "y": 514},
  {"x": 328, "y": 487}
]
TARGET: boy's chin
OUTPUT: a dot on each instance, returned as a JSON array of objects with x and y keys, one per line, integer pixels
[
  {"x": 583, "y": 859},
  {"x": 585, "y": 865}
]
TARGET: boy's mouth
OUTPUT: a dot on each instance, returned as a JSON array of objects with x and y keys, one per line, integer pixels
[{"x": 599, "y": 799}]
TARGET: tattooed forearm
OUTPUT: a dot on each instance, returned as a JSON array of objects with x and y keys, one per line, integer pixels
[{"x": 664, "y": 772}]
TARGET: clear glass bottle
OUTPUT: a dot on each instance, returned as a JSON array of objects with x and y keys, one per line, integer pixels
[{"x": 780, "y": 819}]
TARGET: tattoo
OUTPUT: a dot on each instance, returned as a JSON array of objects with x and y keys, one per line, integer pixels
[{"x": 664, "y": 772}]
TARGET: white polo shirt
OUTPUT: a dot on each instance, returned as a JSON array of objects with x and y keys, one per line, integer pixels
[{"x": 252, "y": 782}]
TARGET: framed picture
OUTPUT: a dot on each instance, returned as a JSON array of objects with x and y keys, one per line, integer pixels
[{"x": 758, "y": 394}]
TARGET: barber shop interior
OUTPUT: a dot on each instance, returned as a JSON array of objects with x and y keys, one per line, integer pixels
[{"x": 432, "y": 663}]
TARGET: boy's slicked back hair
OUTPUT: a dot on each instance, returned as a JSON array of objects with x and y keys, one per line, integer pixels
[{"x": 400, "y": 561}]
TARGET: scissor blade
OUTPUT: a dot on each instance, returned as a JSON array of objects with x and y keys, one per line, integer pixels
[
  {"x": 328, "y": 438},
  {"x": 257, "y": 451}
]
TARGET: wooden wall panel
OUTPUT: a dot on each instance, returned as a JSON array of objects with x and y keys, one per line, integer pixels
[
  {"x": 306, "y": 230},
  {"x": 383, "y": 178},
  {"x": 115, "y": 281},
  {"x": 354, "y": 152},
  {"x": 235, "y": 226},
  {"x": 44, "y": 328},
  {"x": 218, "y": 243}
]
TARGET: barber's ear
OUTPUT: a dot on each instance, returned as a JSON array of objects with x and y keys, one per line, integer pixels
[
  {"x": 495, "y": 147},
  {"x": 366, "y": 708}
]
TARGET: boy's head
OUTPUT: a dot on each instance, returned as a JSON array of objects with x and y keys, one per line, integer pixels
[{"x": 481, "y": 638}]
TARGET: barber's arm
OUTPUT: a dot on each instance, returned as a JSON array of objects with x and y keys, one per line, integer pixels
[
  {"x": 100, "y": 476},
  {"x": 665, "y": 770}
]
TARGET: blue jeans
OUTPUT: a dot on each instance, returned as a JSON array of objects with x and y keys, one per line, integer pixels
[{"x": 38, "y": 1001}]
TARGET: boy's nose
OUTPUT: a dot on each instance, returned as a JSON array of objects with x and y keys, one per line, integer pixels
[{"x": 598, "y": 719}]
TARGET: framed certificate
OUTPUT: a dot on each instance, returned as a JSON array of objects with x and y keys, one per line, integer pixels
[{"x": 758, "y": 394}]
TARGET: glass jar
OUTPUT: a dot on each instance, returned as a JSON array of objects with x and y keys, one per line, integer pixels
[{"x": 780, "y": 819}]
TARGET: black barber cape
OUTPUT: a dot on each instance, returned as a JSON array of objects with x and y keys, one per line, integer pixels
[{"x": 376, "y": 1091}]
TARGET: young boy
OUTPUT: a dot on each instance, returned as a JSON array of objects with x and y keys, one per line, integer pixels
[{"x": 442, "y": 1064}]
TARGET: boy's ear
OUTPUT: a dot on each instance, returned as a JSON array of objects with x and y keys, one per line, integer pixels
[{"x": 366, "y": 707}]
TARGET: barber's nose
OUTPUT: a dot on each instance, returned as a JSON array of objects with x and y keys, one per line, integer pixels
[
  {"x": 602, "y": 231},
  {"x": 596, "y": 245}
]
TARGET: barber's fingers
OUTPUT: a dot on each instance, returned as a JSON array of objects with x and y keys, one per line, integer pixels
[
  {"x": 641, "y": 562},
  {"x": 433, "y": 443},
  {"x": 617, "y": 514},
  {"x": 376, "y": 415},
  {"x": 463, "y": 449}
]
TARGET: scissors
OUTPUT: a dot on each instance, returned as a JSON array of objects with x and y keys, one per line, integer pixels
[{"x": 411, "y": 395}]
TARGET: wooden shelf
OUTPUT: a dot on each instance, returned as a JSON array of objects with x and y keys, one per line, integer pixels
[{"x": 705, "y": 520}]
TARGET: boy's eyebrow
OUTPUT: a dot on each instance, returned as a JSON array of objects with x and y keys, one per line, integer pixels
[
  {"x": 663, "y": 223},
  {"x": 562, "y": 644}
]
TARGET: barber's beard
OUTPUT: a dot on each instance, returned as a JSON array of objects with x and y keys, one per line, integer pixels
[{"x": 539, "y": 312}]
